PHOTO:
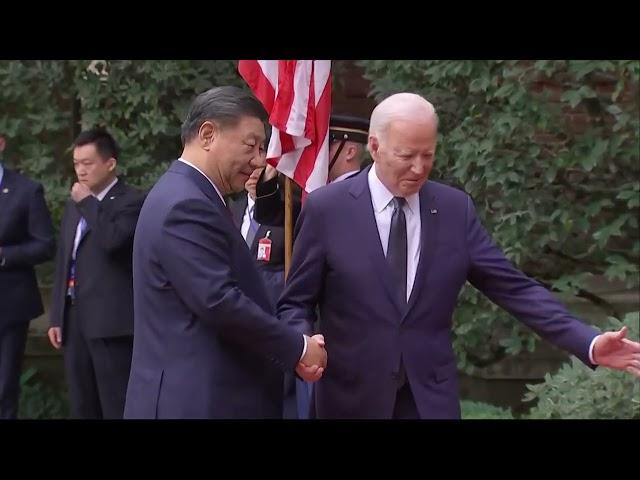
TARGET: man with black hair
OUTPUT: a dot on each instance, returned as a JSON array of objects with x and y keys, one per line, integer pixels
[
  {"x": 92, "y": 301},
  {"x": 207, "y": 342}
]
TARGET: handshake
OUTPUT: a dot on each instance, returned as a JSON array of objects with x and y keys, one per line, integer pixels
[{"x": 314, "y": 360}]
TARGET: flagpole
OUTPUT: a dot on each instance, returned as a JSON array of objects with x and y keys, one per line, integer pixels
[{"x": 288, "y": 224}]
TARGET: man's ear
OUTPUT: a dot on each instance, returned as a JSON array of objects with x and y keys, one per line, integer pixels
[
  {"x": 207, "y": 134},
  {"x": 373, "y": 146},
  {"x": 113, "y": 163},
  {"x": 351, "y": 152}
]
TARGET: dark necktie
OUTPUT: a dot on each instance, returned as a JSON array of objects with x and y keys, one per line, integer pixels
[
  {"x": 397, "y": 249},
  {"x": 71, "y": 279},
  {"x": 253, "y": 227}
]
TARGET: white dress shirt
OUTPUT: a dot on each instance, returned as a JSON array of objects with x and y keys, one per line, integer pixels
[
  {"x": 344, "y": 176},
  {"x": 382, "y": 198}
]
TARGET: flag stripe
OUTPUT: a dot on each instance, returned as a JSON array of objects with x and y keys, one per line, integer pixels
[
  {"x": 297, "y": 96},
  {"x": 316, "y": 162},
  {"x": 260, "y": 84}
]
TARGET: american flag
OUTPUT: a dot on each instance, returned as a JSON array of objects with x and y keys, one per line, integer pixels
[{"x": 297, "y": 96}]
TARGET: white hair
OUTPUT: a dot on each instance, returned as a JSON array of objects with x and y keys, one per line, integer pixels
[{"x": 408, "y": 106}]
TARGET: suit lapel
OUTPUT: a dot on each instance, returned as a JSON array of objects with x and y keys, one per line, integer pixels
[
  {"x": 365, "y": 224},
  {"x": 237, "y": 211},
  {"x": 113, "y": 193},
  {"x": 428, "y": 235},
  {"x": 201, "y": 182}
]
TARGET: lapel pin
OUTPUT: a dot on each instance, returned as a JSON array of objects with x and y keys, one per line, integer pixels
[
  {"x": 5, "y": 190},
  {"x": 111, "y": 198},
  {"x": 434, "y": 211}
]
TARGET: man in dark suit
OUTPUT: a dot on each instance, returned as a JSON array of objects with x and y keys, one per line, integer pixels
[
  {"x": 347, "y": 140},
  {"x": 385, "y": 255},
  {"x": 26, "y": 239},
  {"x": 92, "y": 301},
  {"x": 207, "y": 343}
]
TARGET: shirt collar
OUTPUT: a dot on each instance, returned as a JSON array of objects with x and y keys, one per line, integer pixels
[
  {"x": 381, "y": 196},
  {"x": 205, "y": 176},
  {"x": 104, "y": 192}
]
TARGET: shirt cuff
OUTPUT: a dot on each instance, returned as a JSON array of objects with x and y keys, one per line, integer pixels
[
  {"x": 593, "y": 342},
  {"x": 304, "y": 350}
]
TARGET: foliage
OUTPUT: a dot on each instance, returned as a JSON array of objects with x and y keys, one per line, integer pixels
[
  {"x": 141, "y": 102},
  {"x": 575, "y": 391},
  {"x": 40, "y": 401},
  {"x": 483, "y": 411},
  {"x": 549, "y": 151},
  {"x": 45, "y": 104}
]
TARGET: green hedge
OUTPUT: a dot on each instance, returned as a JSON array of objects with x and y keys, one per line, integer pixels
[
  {"x": 577, "y": 392},
  {"x": 484, "y": 411}
]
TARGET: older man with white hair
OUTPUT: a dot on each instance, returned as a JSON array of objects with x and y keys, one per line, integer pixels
[{"x": 384, "y": 256}]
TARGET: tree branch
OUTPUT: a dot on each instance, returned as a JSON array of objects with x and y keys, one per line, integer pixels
[
  {"x": 575, "y": 261},
  {"x": 626, "y": 255},
  {"x": 496, "y": 355},
  {"x": 600, "y": 302}
]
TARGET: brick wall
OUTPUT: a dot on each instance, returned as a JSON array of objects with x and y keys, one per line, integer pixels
[
  {"x": 350, "y": 95},
  {"x": 350, "y": 90}
]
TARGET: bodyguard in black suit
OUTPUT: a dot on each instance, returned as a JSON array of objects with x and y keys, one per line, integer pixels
[
  {"x": 26, "y": 239},
  {"x": 92, "y": 301}
]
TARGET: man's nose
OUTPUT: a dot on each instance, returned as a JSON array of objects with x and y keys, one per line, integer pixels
[
  {"x": 418, "y": 167},
  {"x": 258, "y": 161}
]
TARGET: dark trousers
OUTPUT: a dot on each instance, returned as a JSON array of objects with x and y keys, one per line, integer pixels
[
  {"x": 297, "y": 398},
  {"x": 13, "y": 338},
  {"x": 97, "y": 370},
  {"x": 405, "y": 407}
]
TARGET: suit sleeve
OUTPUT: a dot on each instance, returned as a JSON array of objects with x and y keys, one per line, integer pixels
[
  {"x": 494, "y": 275},
  {"x": 195, "y": 254},
  {"x": 56, "y": 311},
  {"x": 269, "y": 209},
  {"x": 40, "y": 245},
  {"x": 297, "y": 305},
  {"x": 114, "y": 228}
]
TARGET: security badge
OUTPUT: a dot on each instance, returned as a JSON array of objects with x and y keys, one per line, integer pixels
[{"x": 264, "y": 248}]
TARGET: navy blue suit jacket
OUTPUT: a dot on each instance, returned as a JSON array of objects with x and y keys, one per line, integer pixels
[
  {"x": 206, "y": 341},
  {"x": 27, "y": 239},
  {"x": 338, "y": 263}
]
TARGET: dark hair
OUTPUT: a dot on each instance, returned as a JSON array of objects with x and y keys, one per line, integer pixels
[
  {"x": 105, "y": 145},
  {"x": 223, "y": 105}
]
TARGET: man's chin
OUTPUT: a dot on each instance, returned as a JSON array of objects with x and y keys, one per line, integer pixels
[
  {"x": 411, "y": 187},
  {"x": 237, "y": 187}
]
